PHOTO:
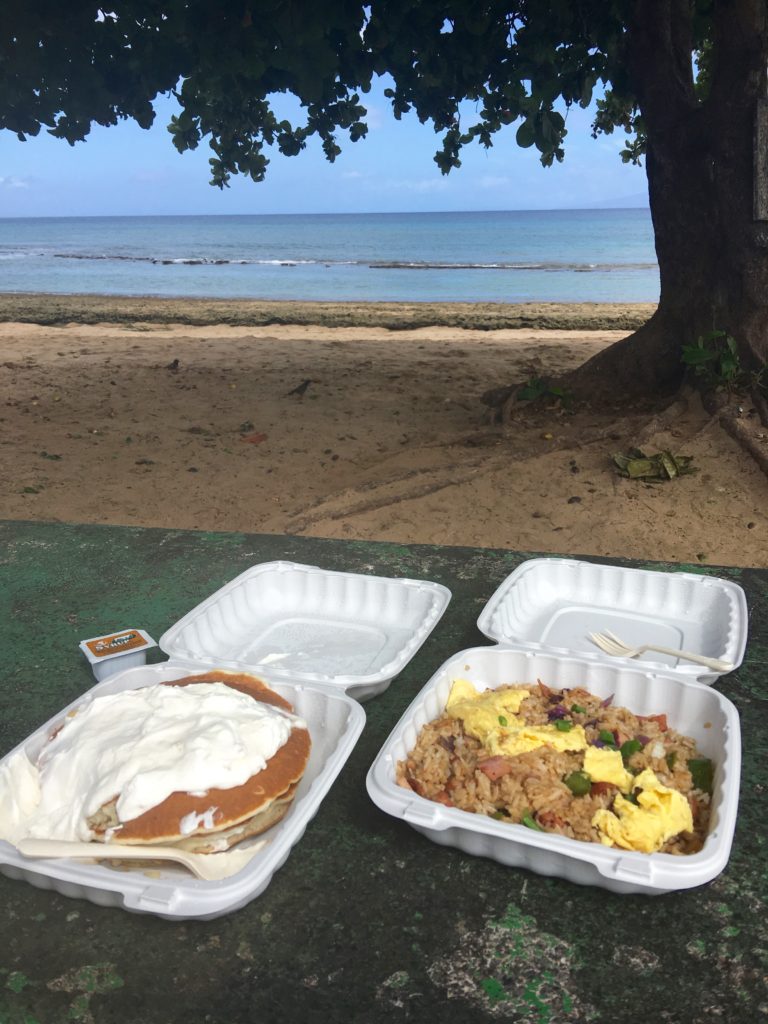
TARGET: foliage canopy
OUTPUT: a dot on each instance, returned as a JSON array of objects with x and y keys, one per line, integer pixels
[{"x": 64, "y": 67}]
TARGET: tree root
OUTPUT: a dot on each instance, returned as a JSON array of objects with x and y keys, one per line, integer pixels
[
  {"x": 378, "y": 494},
  {"x": 745, "y": 429},
  {"x": 404, "y": 484}
]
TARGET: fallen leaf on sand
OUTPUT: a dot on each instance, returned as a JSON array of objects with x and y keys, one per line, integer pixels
[
  {"x": 254, "y": 438},
  {"x": 662, "y": 466}
]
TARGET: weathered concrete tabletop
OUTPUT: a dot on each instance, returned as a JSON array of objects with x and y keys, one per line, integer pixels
[{"x": 367, "y": 921}]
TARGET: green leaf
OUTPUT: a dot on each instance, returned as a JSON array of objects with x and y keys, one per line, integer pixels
[
  {"x": 532, "y": 389},
  {"x": 695, "y": 356},
  {"x": 526, "y": 134}
]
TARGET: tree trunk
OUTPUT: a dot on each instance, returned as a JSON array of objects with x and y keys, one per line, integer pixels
[{"x": 712, "y": 254}]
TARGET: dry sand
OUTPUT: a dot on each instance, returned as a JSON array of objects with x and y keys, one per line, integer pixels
[{"x": 181, "y": 414}]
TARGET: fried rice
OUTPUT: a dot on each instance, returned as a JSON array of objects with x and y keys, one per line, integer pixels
[{"x": 451, "y": 767}]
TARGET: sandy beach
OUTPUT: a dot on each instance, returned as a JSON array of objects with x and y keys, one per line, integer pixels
[{"x": 358, "y": 421}]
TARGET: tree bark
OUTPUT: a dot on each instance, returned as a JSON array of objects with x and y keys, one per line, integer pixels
[{"x": 712, "y": 255}]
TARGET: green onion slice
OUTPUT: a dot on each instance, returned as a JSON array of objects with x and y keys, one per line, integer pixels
[
  {"x": 528, "y": 820},
  {"x": 702, "y": 771},
  {"x": 579, "y": 783},
  {"x": 629, "y": 748}
]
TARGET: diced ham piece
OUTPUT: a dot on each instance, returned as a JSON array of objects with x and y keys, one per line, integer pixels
[
  {"x": 495, "y": 767},
  {"x": 661, "y": 720},
  {"x": 549, "y": 819},
  {"x": 602, "y": 787},
  {"x": 416, "y": 786}
]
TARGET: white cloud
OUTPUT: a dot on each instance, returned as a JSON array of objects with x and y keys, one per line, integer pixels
[
  {"x": 375, "y": 117},
  {"x": 495, "y": 181},
  {"x": 152, "y": 177},
  {"x": 349, "y": 175},
  {"x": 12, "y": 182},
  {"x": 421, "y": 185}
]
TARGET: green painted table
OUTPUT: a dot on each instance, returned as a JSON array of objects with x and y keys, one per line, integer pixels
[{"x": 367, "y": 921}]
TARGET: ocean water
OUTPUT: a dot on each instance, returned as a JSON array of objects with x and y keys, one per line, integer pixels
[{"x": 505, "y": 256}]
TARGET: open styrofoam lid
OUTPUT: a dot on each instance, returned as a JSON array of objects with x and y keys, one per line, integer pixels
[
  {"x": 288, "y": 620},
  {"x": 556, "y": 603}
]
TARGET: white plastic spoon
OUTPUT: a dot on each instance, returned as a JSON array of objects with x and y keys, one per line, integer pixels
[{"x": 208, "y": 866}]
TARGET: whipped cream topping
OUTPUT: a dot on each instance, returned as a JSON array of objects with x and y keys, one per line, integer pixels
[{"x": 143, "y": 745}]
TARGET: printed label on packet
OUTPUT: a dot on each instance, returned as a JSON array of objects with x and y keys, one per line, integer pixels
[{"x": 116, "y": 643}]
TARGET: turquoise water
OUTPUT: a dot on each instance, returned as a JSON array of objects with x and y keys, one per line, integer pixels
[{"x": 505, "y": 256}]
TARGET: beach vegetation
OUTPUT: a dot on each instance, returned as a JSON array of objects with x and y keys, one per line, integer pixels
[
  {"x": 536, "y": 388},
  {"x": 715, "y": 362},
  {"x": 684, "y": 82},
  {"x": 714, "y": 359}
]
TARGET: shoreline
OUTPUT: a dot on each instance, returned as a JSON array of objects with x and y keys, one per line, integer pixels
[{"x": 59, "y": 309}]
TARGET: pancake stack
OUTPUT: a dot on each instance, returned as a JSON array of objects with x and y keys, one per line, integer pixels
[{"x": 221, "y": 817}]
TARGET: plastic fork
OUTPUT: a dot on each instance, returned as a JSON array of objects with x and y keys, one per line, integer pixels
[
  {"x": 611, "y": 644},
  {"x": 208, "y": 866}
]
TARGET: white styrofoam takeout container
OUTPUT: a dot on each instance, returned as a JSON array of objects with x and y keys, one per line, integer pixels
[
  {"x": 347, "y": 630},
  {"x": 335, "y": 722},
  {"x": 554, "y": 603},
  {"x": 692, "y": 709}
]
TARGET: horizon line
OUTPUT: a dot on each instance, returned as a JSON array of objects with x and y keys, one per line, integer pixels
[{"x": 327, "y": 213}]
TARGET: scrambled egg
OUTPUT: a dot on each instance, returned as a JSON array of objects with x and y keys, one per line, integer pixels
[
  {"x": 659, "y": 814},
  {"x": 607, "y": 766},
  {"x": 492, "y": 718}
]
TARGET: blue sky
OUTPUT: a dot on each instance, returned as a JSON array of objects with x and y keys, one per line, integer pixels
[{"x": 126, "y": 170}]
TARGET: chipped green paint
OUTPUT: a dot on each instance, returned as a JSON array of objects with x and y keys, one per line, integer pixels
[
  {"x": 244, "y": 951},
  {"x": 17, "y": 981},
  {"x": 532, "y": 997},
  {"x": 493, "y": 989},
  {"x": 398, "y": 980},
  {"x": 89, "y": 979},
  {"x": 514, "y": 970},
  {"x": 25, "y": 1018},
  {"x": 98, "y": 978},
  {"x": 80, "y": 1009},
  {"x": 515, "y": 921},
  {"x": 697, "y": 948},
  {"x": 83, "y": 983}
]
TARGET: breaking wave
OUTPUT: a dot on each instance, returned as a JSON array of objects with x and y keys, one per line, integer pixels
[{"x": 194, "y": 261}]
